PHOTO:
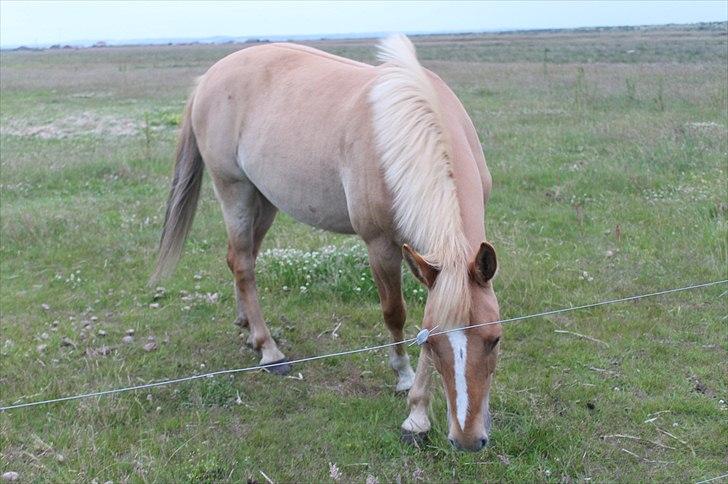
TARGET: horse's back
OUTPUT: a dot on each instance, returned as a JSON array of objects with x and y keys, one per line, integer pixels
[{"x": 287, "y": 118}]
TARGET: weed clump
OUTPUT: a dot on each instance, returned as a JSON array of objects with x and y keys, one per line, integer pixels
[{"x": 343, "y": 271}]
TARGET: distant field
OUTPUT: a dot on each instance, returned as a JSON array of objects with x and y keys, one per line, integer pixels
[{"x": 609, "y": 154}]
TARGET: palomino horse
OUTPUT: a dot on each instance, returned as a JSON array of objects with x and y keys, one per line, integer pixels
[{"x": 385, "y": 152}]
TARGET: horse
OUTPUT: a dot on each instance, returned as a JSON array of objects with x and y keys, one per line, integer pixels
[{"x": 386, "y": 152}]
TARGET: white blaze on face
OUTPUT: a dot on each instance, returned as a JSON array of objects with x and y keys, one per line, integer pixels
[{"x": 459, "y": 344}]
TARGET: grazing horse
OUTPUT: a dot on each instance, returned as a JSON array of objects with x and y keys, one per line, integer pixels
[{"x": 386, "y": 152}]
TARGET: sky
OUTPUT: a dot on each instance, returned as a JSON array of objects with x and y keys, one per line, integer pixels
[{"x": 38, "y": 23}]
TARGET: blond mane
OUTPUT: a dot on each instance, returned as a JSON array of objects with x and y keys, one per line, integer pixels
[{"x": 416, "y": 156}]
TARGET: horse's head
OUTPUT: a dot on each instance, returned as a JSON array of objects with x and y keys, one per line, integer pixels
[{"x": 465, "y": 358}]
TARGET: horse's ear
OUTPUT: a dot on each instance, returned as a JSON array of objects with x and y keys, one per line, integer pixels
[
  {"x": 422, "y": 270},
  {"x": 485, "y": 265}
]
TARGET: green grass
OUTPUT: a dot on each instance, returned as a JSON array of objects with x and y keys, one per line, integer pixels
[{"x": 594, "y": 141}]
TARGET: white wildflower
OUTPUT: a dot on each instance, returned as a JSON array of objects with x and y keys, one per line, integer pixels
[{"x": 334, "y": 472}]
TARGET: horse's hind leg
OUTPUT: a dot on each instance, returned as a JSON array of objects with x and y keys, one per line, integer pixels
[
  {"x": 262, "y": 224},
  {"x": 385, "y": 259},
  {"x": 248, "y": 215},
  {"x": 241, "y": 319}
]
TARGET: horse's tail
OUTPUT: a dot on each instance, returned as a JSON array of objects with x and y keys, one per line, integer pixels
[{"x": 183, "y": 197}]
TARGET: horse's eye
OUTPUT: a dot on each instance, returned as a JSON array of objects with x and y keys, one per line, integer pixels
[{"x": 490, "y": 345}]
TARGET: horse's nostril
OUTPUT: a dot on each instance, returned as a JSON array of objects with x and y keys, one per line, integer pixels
[{"x": 483, "y": 442}]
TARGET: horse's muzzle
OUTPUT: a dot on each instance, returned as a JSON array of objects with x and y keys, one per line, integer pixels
[{"x": 475, "y": 446}]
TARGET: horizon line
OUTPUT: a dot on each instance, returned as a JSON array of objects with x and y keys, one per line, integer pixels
[{"x": 222, "y": 39}]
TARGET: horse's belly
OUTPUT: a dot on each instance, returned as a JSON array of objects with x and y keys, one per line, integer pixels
[
  {"x": 320, "y": 212},
  {"x": 310, "y": 192}
]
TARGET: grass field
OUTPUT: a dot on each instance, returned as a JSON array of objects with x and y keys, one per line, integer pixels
[{"x": 609, "y": 154}]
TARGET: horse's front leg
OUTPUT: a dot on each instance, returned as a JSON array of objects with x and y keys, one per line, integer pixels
[
  {"x": 385, "y": 259},
  {"x": 417, "y": 424}
]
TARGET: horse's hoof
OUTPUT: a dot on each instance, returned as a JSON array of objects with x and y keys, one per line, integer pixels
[
  {"x": 280, "y": 367},
  {"x": 416, "y": 439},
  {"x": 402, "y": 388}
]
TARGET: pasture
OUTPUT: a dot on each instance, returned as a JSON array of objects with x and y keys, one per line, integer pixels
[{"x": 609, "y": 155}]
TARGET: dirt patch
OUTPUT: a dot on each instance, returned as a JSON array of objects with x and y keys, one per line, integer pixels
[
  {"x": 350, "y": 380},
  {"x": 82, "y": 124},
  {"x": 90, "y": 95},
  {"x": 705, "y": 126},
  {"x": 701, "y": 387}
]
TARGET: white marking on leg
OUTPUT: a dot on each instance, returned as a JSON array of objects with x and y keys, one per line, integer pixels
[
  {"x": 270, "y": 353},
  {"x": 417, "y": 421},
  {"x": 401, "y": 365},
  {"x": 419, "y": 395},
  {"x": 459, "y": 344}
]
